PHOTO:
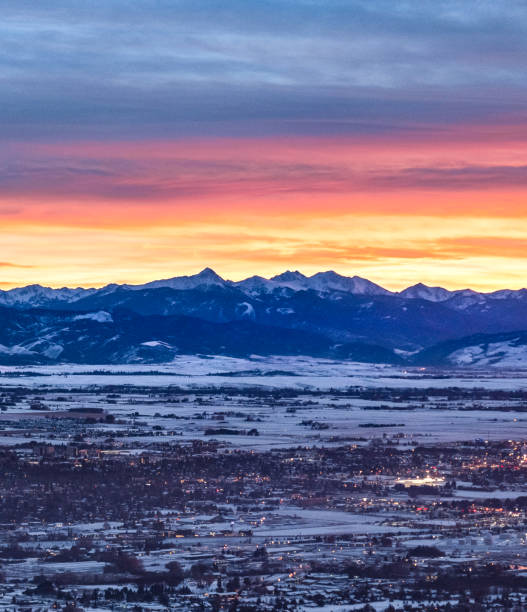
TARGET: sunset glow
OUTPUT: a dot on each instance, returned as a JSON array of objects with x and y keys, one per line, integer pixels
[{"x": 227, "y": 154}]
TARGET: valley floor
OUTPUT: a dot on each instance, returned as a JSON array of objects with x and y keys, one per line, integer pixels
[{"x": 263, "y": 484}]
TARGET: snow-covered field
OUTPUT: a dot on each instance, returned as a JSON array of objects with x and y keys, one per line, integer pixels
[
  {"x": 190, "y": 371},
  {"x": 312, "y": 418},
  {"x": 293, "y": 505}
]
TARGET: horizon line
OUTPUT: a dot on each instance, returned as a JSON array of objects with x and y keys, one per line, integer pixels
[{"x": 97, "y": 286}]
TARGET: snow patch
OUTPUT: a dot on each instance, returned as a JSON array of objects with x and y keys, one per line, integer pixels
[
  {"x": 246, "y": 310},
  {"x": 101, "y": 317},
  {"x": 156, "y": 343},
  {"x": 504, "y": 354},
  {"x": 15, "y": 350}
]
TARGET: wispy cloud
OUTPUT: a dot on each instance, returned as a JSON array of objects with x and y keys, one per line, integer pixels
[
  {"x": 176, "y": 178},
  {"x": 187, "y": 67},
  {"x": 230, "y": 121},
  {"x": 10, "y": 264}
]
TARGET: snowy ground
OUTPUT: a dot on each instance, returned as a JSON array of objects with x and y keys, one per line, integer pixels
[
  {"x": 277, "y": 372},
  {"x": 215, "y": 399},
  {"x": 312, "y": 419}
]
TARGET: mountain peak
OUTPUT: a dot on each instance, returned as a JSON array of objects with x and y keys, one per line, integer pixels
[
  {"x": 332, "y": 281},
  {"x": 328, "y": 274},
  {"x": 288, "y": 276},
  {"x": 425, "y": 292},
  {"x": 208, "y": 274},
  {"x": 206, "y": 277}
]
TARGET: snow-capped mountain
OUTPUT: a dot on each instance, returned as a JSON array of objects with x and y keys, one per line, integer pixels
[
  {"x": 205, "y": 278},
  {"x": 295, "y": 280},
  {"x": 327, "y": 313},
  {"x": 424, "y": 292},
  {"x": 331, "y": 281},
  {"x": 464, "y": 297},
  {"x": 35, "y": 296},
  {"x": 255, "y": 285},
  {"x": 508, "y": 294},
  {"x": 321, "y": 282}
]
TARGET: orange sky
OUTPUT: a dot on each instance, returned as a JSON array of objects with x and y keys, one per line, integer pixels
[
  {"x": 152, "y": 139},
  {"x": 450, "y": 210}
]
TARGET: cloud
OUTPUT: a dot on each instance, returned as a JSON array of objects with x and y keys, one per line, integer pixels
[
  {"x": 120, "y": 119},
  {"x": 162, "y": 67},
  {"x": 455, "y": 178},
  {"x": 9, "y": 264},
  {"x": 178, "y": 174},
  {"x": 484, "y": 246},
  {"x": 339, "y": 252}
]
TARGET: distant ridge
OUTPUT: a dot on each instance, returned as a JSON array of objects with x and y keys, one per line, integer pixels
[
  {"x": 328, "y": 281},
  {"x": 324, "y": 315}
]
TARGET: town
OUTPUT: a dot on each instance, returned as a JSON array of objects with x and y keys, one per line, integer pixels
[{"x": 257, "y": 498}]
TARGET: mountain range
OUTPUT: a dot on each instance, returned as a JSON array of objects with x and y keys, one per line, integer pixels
[{"x": 325, "y": 314}]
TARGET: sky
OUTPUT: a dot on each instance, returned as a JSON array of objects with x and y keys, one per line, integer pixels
[{"x": 144, "y": 139}]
